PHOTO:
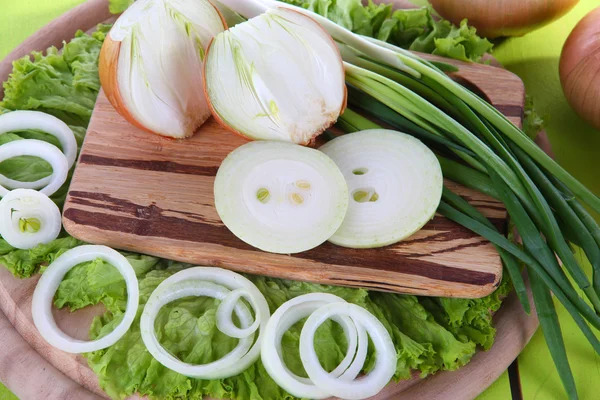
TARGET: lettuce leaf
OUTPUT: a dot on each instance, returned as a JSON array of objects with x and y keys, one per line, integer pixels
[
  {"x": 187, "y": 328},
  {"x": 413, "y": 29}
]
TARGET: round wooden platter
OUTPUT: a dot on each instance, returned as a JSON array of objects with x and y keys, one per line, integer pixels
[{"x": 33, "y": 370}]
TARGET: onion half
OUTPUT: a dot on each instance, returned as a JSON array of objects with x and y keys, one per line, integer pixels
[
  {"x": 41, "y": 306},
  {"x": 278, "y": 76},
  {"x": 28, "y": 218},
  {"x": 44, "y": 150},
  {"x": 395, "y": 184},
  {"x": 24, "y": 120},
  {"x": 151, "y": 64},
  {"x": 221, "y": 284},
  {"x": 280, "y": 197}
]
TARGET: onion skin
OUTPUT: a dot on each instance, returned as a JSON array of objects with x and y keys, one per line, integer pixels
[
  {"x": 225, "y": 125},
  {"x": 580, "y": 68},
  {"x": 107, "y": 69},
  {"x": 496, "y": 18}
]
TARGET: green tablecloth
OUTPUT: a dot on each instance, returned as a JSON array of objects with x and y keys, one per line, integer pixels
[{"x": 535, "y": 59}]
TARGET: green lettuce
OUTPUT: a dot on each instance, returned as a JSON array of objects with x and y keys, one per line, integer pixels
[
  {"x": 413, "y": 29},
  {"x": 187, "y": 328}
]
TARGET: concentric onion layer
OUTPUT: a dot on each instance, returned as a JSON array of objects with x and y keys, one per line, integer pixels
[
  {"x": 41, "y": 306},
  {"x": 28, "y": 218},
  {"x": 280, "y": 197},
  {"x": 223, "y": 285},
  {"x": 395, "y": 184},
  {"x": 278, "y": 76},
  {"x": 25, "y": 120},
  {"x": 151, "y": 64},
  {"x": 357, "y": 323},
  {"x": 38, "y": 148}
]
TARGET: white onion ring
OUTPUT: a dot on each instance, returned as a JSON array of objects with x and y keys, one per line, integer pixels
[
  {"x": 225, "y": 323},
  {"x": 287, "y": 315},
  {"x": 25, "y": 204},
  {"x": 197, "y": 281},
  {"x": 385, "y": 364},
  {"x": 43, "y": 150},
  {"x": 41, "y": 306},
  {"x": 24, "y": 120}
]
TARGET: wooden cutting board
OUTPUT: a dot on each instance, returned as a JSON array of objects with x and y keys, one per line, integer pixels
[
  {"x": 34, "y": 370},
  {"x": 141, "y": 192}
]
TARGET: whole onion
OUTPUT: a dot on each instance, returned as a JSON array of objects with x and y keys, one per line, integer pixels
[
  {"x": 495, "y": 18},
  {"x": 580, "y": 68}
]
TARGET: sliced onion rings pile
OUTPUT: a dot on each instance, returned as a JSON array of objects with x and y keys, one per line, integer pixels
[
  {"x": 25, "y": 206},
  {"x": 226, "y": 286},
  {"x": 41, "y": 306},
  {"x": 341, "y": 382}
]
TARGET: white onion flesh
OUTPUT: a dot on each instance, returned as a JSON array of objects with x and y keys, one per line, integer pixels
[
  {"x": 385, "y": 362},
  {"x": 395, "y": 185},
  {"x": 278, "y": 76},
  {"x": 280, "y": 197},
  {"x": 25, "y": 120},
  {"x": 283, "y": 319},
  {"x": 159, "y": 69},
  {"x": 28, "y": 218},
  {"x": 221, "y": 284},
  {"x": 41, "y": 307},
  {"x": 38, "y": 148}
]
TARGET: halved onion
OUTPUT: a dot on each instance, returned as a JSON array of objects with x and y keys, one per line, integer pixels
[
  {"x": 223, "y": 285},
  {"x": 41, "y": 306},
  {"x": 278, "y": 76},
  {"x": 288, "y": 314},
  {"x": 395, "y": 184},
  {"x": 385, "y": 357},
  {"x": 280, "y": 197},
  {"x": 28, "y": 218},
  {"x": 151, "y": 64},
  {"x": 38, "y": 148},
  {"x": 24, "y": 120}
]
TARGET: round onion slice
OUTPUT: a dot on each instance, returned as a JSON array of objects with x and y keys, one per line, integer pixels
[
  {"x": 278, "y": 76},
  {"x": 24, "y": 120},
  {"x": 395, "y": 184},
  {"x": 221, "y": 284},
  {"x": 385, "y": 363},
  {"x": 41, "y": 307},
  {"x": 280, "y": 197},
  {"x": 283, "y": 319},
  {"x": 28, "y": 218},
  {"x": 41, "y": 149}
]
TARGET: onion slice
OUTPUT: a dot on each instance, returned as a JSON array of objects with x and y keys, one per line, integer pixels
[
  {"x": 221, "y": 284},
  {"x": 385, "y": 363},
  {"x": 28, "y": 218},
  {"x": 283, "y": 319},
  {"x": 24, "y": 120},
  {"x": 43, "y": 150},
  {"x": 280, "y": 197},
  {"x": 41, "y": 307},
  {"x": 395, "y": 184},
  {"x": 278, "y": 76}
]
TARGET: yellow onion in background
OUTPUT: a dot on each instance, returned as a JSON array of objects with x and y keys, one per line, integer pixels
[
  {"x": 496, "y": 18},
  {"x": 580, "y": 68},
  {"x": 151, "y": 64}
]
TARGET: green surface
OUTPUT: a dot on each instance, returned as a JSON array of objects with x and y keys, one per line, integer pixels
[{"x": 576, "y": 145}]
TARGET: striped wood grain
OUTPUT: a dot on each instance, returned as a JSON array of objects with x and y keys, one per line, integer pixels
[{"x": 141, "y": 192}]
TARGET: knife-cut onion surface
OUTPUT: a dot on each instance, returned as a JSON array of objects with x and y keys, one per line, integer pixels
[
  {"x": 41, "y": 307},
  {"x": 223, "y": 285},
  {"x": 395, "y": 185},
  {"x": 28, "y": 218},
  {"x": 280, "y": 197},
  {"x": 278, "y": 76}
]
